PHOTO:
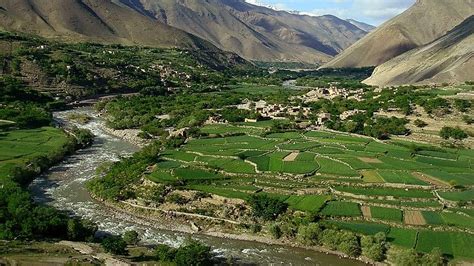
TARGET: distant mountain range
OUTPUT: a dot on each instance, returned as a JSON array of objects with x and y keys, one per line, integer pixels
[{"x": 254, "y": 32}]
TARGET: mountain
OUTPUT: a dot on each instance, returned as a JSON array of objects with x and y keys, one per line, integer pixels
[
  {"x": 92, "y": 20},
  {"x": 361, "y": 25},
  {"x": 447, "y": 59},
  {"x": 421, "y": 24},
  {"x": 255, "y": 32}
]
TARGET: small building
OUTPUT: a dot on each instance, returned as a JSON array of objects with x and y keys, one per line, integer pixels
[{"x": 323, "y": 117}]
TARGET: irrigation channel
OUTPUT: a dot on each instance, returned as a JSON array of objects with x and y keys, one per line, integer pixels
[{"x": 63, "y": 187}]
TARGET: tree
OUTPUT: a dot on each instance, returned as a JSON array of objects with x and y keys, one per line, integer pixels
[
  {"x": 309, "y": 234},
  {"x": 115, "y": 245},
  {"x": 266, "y": 207},
  {"x": 131, "y": 237},
  {"x": 404, "y": 257},
  {"x": 193, "y": 254},
  {"x": 373, "y": 247},
  {"x": 165, "y": 253},
  {"x": 434, "y": 258},
  {"x": 349, "y": 244}
]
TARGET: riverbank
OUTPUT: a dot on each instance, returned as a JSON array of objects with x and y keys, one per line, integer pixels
[{"x": 178, "y": 223}]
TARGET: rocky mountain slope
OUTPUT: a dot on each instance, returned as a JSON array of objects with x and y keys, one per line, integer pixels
[
  {"x": 255, "y": 32},
  {"x": 361, "y": 25},
  {"x": 92, "y": 20},
  {"x": 424, "y": 22},
  {"x": 447, "y": 59}
]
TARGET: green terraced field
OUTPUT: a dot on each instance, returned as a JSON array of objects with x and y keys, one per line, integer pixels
[
  {"x": 281, "y": 165},
  {"x": 395, "y": 215},
  {"x": 17, "y": 147},
  {"x": 467, "y": 195},
  {"x": 309, "y": 203},
  {"x": 338, "y": 208}
]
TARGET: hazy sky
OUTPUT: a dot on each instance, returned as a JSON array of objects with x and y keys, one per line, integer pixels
[{"x": 374, "y": 12}]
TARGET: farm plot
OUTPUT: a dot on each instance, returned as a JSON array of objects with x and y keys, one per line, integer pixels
[
  {"x": 371, "y": 176},
  {"x": 388, "y": 214},
  {"x": 449, "y": 177},
  {"x": 429, "y": 239},
  {"x": 223, "y": 192},
  {"x": 401, "y": 177},
  {"x": 402, "y": 237},
  {"x": 229, "y": 165},
  {"x": 366, "y": 212},
  {"x": 413, "y": 217},
  {"x": 20, "y": 146},
  {"x": 332, "y": 167},
  {"x": 393, "y": 192},
  {"x": 162, "y": 176},
  {"x": 458, "y": 220},
  {"x": 196, "y": 174},
  {"x": 433, "y": 218},
  {"x": 467, "y": 195},
  {"x": 309, "y": 203},
  {"x": 340, "y": 208}
]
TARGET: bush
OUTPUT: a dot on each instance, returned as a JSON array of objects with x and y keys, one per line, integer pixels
[
  {"x": 455, "y": 133},
  {"x": 165, "y": 253},
  {"x": 115, "y": 245},
  {"x": 131, "y": 237},
  {"x": 177, "y": 199},
  {"x": 309, "y": 234},
  {"x": 193, "y": 254},
  {"x": 266, "y": 207},
  {"x": 275, "y": 231},
  {"x": 373, "y": 247},
  {"x": 420, "y": 123}
]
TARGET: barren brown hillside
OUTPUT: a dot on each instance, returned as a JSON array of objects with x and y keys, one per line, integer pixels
[
  {"x": 91, "y": 20},
  {"x": 423, "y": 23},
  {"x": 448, "y": 59},
  {"x": 254, "y": 32}
]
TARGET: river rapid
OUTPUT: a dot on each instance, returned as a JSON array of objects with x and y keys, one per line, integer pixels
[{"x": 63, "y": 187}]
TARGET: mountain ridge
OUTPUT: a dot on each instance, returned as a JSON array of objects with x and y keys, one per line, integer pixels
[
  {"x": 422, "y": 23},
  {"x": 255, "y": 32},
  {"x": 449, "y": 59}
]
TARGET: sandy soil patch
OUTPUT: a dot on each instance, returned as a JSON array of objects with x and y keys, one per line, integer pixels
[
  {"x": 430, "y": 179},
  {"x": 369, "y": 160},
  {"x": 413, "y": 218},
  {"x": 291, "y": 157},
  {"x": 366, "y": 212}
]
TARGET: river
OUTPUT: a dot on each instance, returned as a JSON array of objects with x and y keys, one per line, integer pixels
[{"x": 63, "y": 187}]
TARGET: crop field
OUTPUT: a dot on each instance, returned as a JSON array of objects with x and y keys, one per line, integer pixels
[
  {"x": 402, "y": 177},
  {"x": 386, "y": 214},
  {"x": 17, "y": 147},
  {"x": 309, "y": 203},
  {"x": 402, "y": 237},
  {"x": 339, "y": 208},
  {"x": 340, "y": 178},
  {"x": 393, "y": 192},
  {"x": 467, "y": 195}
]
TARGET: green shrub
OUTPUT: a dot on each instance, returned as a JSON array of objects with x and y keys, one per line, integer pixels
[
  {"x": 266, "y": 207},
  {"x": 115, "y": 245},
  {"x": 131, "y": 237}
]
